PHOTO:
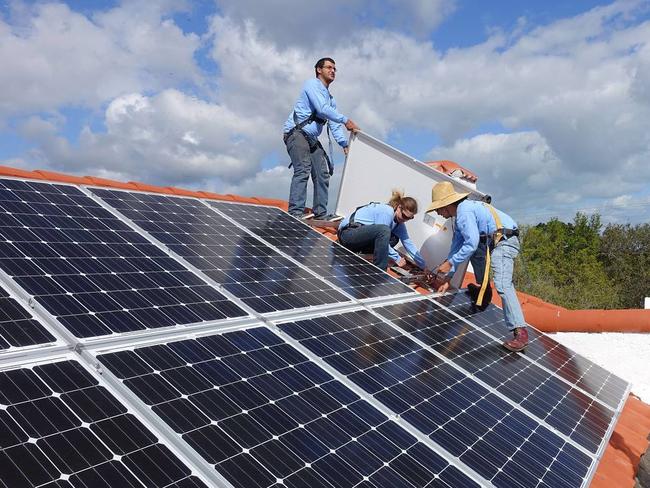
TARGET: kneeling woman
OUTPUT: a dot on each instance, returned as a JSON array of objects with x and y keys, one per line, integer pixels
[{"x": 377, "y": 227}]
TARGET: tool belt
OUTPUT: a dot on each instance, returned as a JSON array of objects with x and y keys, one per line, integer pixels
[
  {"x": 505, "y": 233},
  {"x": 475, "y": 290}
]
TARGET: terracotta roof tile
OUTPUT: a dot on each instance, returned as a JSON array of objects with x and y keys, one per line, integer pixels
[
  {"x": 183, "y": 192},
  {"x": 151, "y": 188},
  {"x": 216, "y": 196},
  {"x": 110, "y": 183},
  {"x": 18, "y": 173},
  {"x": 62, "y": 177}
]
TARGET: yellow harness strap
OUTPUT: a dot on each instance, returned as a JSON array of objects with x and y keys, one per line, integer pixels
[{"x": 497, "y": 237}]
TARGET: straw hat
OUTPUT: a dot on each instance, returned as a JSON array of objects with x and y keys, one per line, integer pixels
[{"x": 442, "y": 194}]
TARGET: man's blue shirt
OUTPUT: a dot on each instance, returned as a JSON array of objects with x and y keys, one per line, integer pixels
[
  {"x": 315, "y": 97},
  {"x": 473, "y": 218},
  {"x": 382, "y": 213}
]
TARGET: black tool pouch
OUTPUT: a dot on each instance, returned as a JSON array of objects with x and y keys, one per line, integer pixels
[
  {"x": 330, "y": 166},
  {"x": 473, "y": 291}
]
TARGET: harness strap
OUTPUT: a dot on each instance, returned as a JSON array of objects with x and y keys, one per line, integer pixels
[
  {"x": 312, "y": 147},
  {"x": 351, "y": 222},
  {"x": 312, "y": 118},
  {"x": 498, "y": 235}
]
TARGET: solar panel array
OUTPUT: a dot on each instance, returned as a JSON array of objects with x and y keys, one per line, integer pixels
[
  {"x": 91, "y": 271},
  {"x": 258, "y": 275},
  {"x": 18, "y": 329},
  {"x": 490, "y": 435},
  {"x": 264, "y": 415},
  {"x": 544, "y": 351},
  {"x": 61, "y": 428},
  {"x": 335, "y": 263},
  {"x": 580, "y": 414},
  {"x": 170, "y": 341}
]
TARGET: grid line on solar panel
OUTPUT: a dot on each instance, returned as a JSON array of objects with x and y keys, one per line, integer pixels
[
  {"x": 487, "y": 433},
  {"x": 246, "y": 267},
  {"x": 60, "y": 426},
  {"x": 337, "y": 265},
  {"x": 93, "y": 272},
  {"x": 264, "y": 415},
  {"x": 17, "y": 326},
  {"x": 559, "y": 404},
  {"x": 546, "y": 352}
]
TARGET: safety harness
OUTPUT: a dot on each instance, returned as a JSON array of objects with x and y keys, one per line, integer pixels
[
  {"x": 351, "y": 223},
  {"x": 316, "y": 145},
  {"x": 499, "y": 234}
]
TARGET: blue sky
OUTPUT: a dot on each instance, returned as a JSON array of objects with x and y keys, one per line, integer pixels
[{"x": 547, "y": 102}]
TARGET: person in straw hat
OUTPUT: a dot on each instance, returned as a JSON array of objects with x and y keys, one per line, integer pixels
[{"x": 482, "y": 234}]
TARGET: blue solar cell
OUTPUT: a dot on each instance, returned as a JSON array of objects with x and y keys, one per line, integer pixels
[
  {"x": 339, "y": 266},
  {"x": 261, "y": 277},
  {"x": 545, "y": 351},
  {"x": 71, "y": 254},
  {"x": 277, "y": 418},
  {"x": 17, "y": 327},
  {"x": 573, "y": 412},
  {"x": 470, "y": 422},
  {"x": 59, "y": 424}
]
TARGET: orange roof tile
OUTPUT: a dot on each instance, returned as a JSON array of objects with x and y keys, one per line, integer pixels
[
  {"x": 629, "y": 440},
  {"x": 448, "y": 167},
  {"x": 62, "y": 177},
  {"x": 110, "y": 183}
]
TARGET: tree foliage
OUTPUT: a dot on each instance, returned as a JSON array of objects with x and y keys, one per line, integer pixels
[
  {"x": 625, "y": 254},
  {"x": 563, "y": 263}
]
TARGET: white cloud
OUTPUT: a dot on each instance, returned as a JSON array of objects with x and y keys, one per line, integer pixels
[
  {"x": 528, "y": 180},
  {"x": 52, "y": 57},
  {"x": 169, "y": 138},
  {"x": 322, "y": 25},
  {"x": 571, "y": 98}
]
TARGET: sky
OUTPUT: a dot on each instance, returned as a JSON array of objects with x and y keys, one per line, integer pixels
[{"x": 547, "y": 101}]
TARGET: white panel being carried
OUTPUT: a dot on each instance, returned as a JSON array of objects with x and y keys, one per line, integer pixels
[{"x": 373, "y": 169}]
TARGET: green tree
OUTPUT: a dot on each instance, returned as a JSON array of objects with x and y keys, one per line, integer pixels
[
  {"x": 559, "y": 263},
  {"x": 625, "y": 254}
]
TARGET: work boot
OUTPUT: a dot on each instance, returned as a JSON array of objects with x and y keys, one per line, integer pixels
[{"x": 519, "y": 342}]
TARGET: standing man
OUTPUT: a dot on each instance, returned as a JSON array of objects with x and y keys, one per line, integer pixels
[
  {"x": 480, "y": 228},
  {"x": 314, "y": 108}
]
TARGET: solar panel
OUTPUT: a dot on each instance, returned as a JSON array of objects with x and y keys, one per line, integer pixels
[
  {"x": 421, "y": 393},
  {"x": 573, "y": 412},
  {"x": 17, "y": 327},
  {"x": 339, "y": 266},
  {"x": 59, "y": 427},
  {"x": 544, "y": 351},
  {"x": 501, "y": 442},
  {"x": 264, "y": 415},
  {"x": 261, "y": 277},
  {"x": 90, "y": 270}
]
